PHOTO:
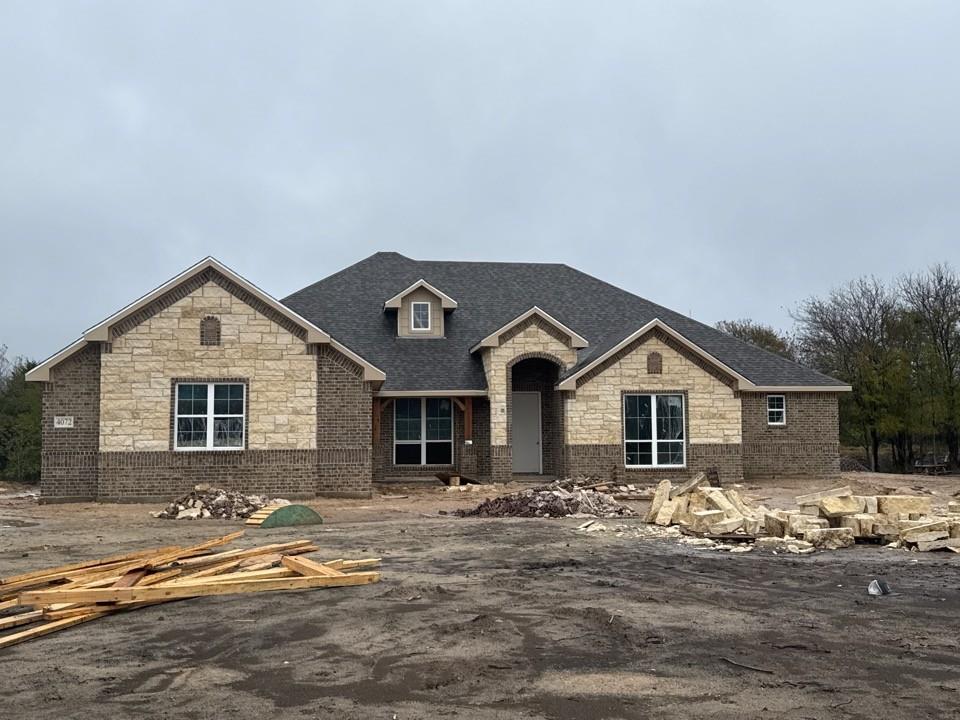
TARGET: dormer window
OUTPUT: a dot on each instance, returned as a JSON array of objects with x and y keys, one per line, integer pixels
[{"x": 420, "y": 316}]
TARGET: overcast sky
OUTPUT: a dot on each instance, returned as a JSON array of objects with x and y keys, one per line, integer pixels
[{"x": 726, "y": 159}]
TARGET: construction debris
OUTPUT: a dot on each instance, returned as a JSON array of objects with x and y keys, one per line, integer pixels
[
  {"x": 209, "y": 502},
  {"x": 828, "y": 519},
  {"x": 554, "y": 500},
  {"x": 71, "y": 594}
]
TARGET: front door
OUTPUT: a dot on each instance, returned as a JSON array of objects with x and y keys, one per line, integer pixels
[{"x": 526, "y": 432}]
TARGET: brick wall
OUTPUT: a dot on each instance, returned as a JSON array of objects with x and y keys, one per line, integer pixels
[
  {"x": 344, "y": 426},
  {"x": 69, "y": 456},
  {"x": 540, "y": 375},
  {"x": 308, "y": 409},
  {"x": 808, "y": 445}
]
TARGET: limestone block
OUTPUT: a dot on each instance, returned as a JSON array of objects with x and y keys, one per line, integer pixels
[{"x": 895, "y": 504}]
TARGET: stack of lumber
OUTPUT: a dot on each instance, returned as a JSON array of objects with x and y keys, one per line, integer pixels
[
  {"x": 829, "y": 519},
  {"x": 72, "y": 594}
]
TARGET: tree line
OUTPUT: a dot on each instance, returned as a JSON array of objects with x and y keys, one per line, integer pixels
[
  {"x": 20, "y": 420},
  {"x": 898, "y": 344}
]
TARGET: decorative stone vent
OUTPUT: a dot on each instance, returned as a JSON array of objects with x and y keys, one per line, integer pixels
[
  {"x": 654, "y": 364},
  {"x": 210, "y": 331}
]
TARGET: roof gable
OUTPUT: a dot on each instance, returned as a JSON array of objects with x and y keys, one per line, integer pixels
[
  {"x": 446, "y": 302},
  {"x": 494, "y": 339},
  {"x": 123, "y": 318}
]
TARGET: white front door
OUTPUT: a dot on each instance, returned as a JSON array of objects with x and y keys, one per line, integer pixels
[{"x": 526, "y": 432}]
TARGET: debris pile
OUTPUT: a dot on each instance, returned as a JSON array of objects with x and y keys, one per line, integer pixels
[
  {"x": 209, "y": 502},
  {"x": 829, "y": 519},
  {"x": 553, "y": 500},
  {"x": 72, "y": 594}
]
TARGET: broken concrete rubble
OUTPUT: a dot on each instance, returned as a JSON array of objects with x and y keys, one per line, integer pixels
[
  {"x": 209, "y": 502},
  {"x": 552, "y": 501}
]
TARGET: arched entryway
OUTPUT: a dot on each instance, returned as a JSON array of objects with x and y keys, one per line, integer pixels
[{"x": 535, "y": 416}]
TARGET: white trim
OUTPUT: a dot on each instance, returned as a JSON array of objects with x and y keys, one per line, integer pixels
[
  {"x": 780, "y": 409},
  {"x": 539, "y": 425},
  {"x": 801, "y": 388},
  {"x": 430, "y": 393},
  {"x": 446, "y": 302},
  {"x": 654, "y": 441},
  {"x": 493, "y": 339},
  {"x": 422, "y": 442},
  {"x": 570, "y": 383},
  {"x": 210, "y": 416},
  {"x": 101, "y": 331},
  {"x": 413, "y": 316}
]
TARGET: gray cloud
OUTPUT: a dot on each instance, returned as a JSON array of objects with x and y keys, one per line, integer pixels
[{"x": 724, "y": 159}]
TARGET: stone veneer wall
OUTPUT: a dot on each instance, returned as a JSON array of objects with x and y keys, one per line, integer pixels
[
  {"x": 594, "y": 413},
  {"x": 308, "y": 409},
  {"x": 808, "y": 445},
  {"x": 531, "y": 338},
  {"x": 68, "y": 464},
  {"x": 135, "y": 389}
]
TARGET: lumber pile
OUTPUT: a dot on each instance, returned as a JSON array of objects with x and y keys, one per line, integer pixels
[
  {"x": 211, "y": 502},
  {"x": 68, "y": 595},
  {"x": 828, "y": 519}
]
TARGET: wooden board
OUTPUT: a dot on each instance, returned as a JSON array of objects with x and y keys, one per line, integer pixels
[
  {"x": 306, "y": 566},
  {"x": 46, "y": 629},
  {"x": 170, "y": 591},
  {"x": 113, "y": 559}
]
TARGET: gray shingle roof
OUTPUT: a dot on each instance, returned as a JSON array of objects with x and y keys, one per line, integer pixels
[{"x": 349, "y": 306}]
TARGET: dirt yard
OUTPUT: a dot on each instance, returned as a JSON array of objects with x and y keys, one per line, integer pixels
[{"x": 509, "y": 618}]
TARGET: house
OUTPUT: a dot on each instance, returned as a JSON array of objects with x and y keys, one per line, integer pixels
[{"x": 398, "y": 368}]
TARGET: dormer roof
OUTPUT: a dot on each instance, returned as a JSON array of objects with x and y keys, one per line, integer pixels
[{"x": 446, "y": 302}]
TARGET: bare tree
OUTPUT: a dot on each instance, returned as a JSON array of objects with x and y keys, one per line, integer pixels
[
  {"x": 761, "y": 335},
  {"x": 934, "y": 299},
  {"x": 850, "y": 335}
]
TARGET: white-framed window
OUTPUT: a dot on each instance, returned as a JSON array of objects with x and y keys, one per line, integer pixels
[
  {"x": 209, "y": 416},
  {"x": 423, "y": 431},
  {"x": 420, "y": 316},
  {"x": 776, "y": 410},
  {"x": 654, "y": 430}
]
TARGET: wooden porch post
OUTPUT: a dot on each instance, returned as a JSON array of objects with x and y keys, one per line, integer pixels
[{"x": 468, "y": 418}]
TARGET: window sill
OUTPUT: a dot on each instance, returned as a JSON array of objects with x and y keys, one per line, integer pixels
[
  {"x": 206, "y": 449},
  {"x": 655, "y": 467}
]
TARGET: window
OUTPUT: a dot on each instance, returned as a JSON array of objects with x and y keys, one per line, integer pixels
[
  {"x": 420, "y": 316},
  {"x": 776, "y": 410},
  {"x": 209, "y": 416},
  {"x": 654, "y": 431},
  {"x": 423, "y": 431}
]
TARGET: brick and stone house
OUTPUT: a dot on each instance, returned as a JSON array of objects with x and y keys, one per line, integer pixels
[{"x": 397, "y": 368}]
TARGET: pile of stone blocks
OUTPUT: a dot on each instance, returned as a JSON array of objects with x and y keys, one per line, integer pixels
[
  {"x": 704, "y": 509},
  {"x": 829, "y": 519},
  {"x": 839, "y": 517}
]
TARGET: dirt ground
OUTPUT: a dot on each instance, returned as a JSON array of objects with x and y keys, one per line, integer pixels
[{"x": 509, "y": 618}]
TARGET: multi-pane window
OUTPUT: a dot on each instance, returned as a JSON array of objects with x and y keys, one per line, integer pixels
[
  {"x": 420, "y": 316},
  {"x": 654, "y": 430},
  {"x": 776, "y": 410},
  {"x": 423, "y": 431},
  {"x": 209, "y": 416}
]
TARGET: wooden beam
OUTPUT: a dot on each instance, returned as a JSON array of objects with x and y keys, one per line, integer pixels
[
  {"x": 305, "y": 566},
  {"x": 170, "y": 591},
  {"x": 458, "y": 402},
  {"x": 468, "y": 418},
  {"x": 47, "y": 628},
  {"x": 90, "y": 564},
  {"x": 377, "y": 410}
]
